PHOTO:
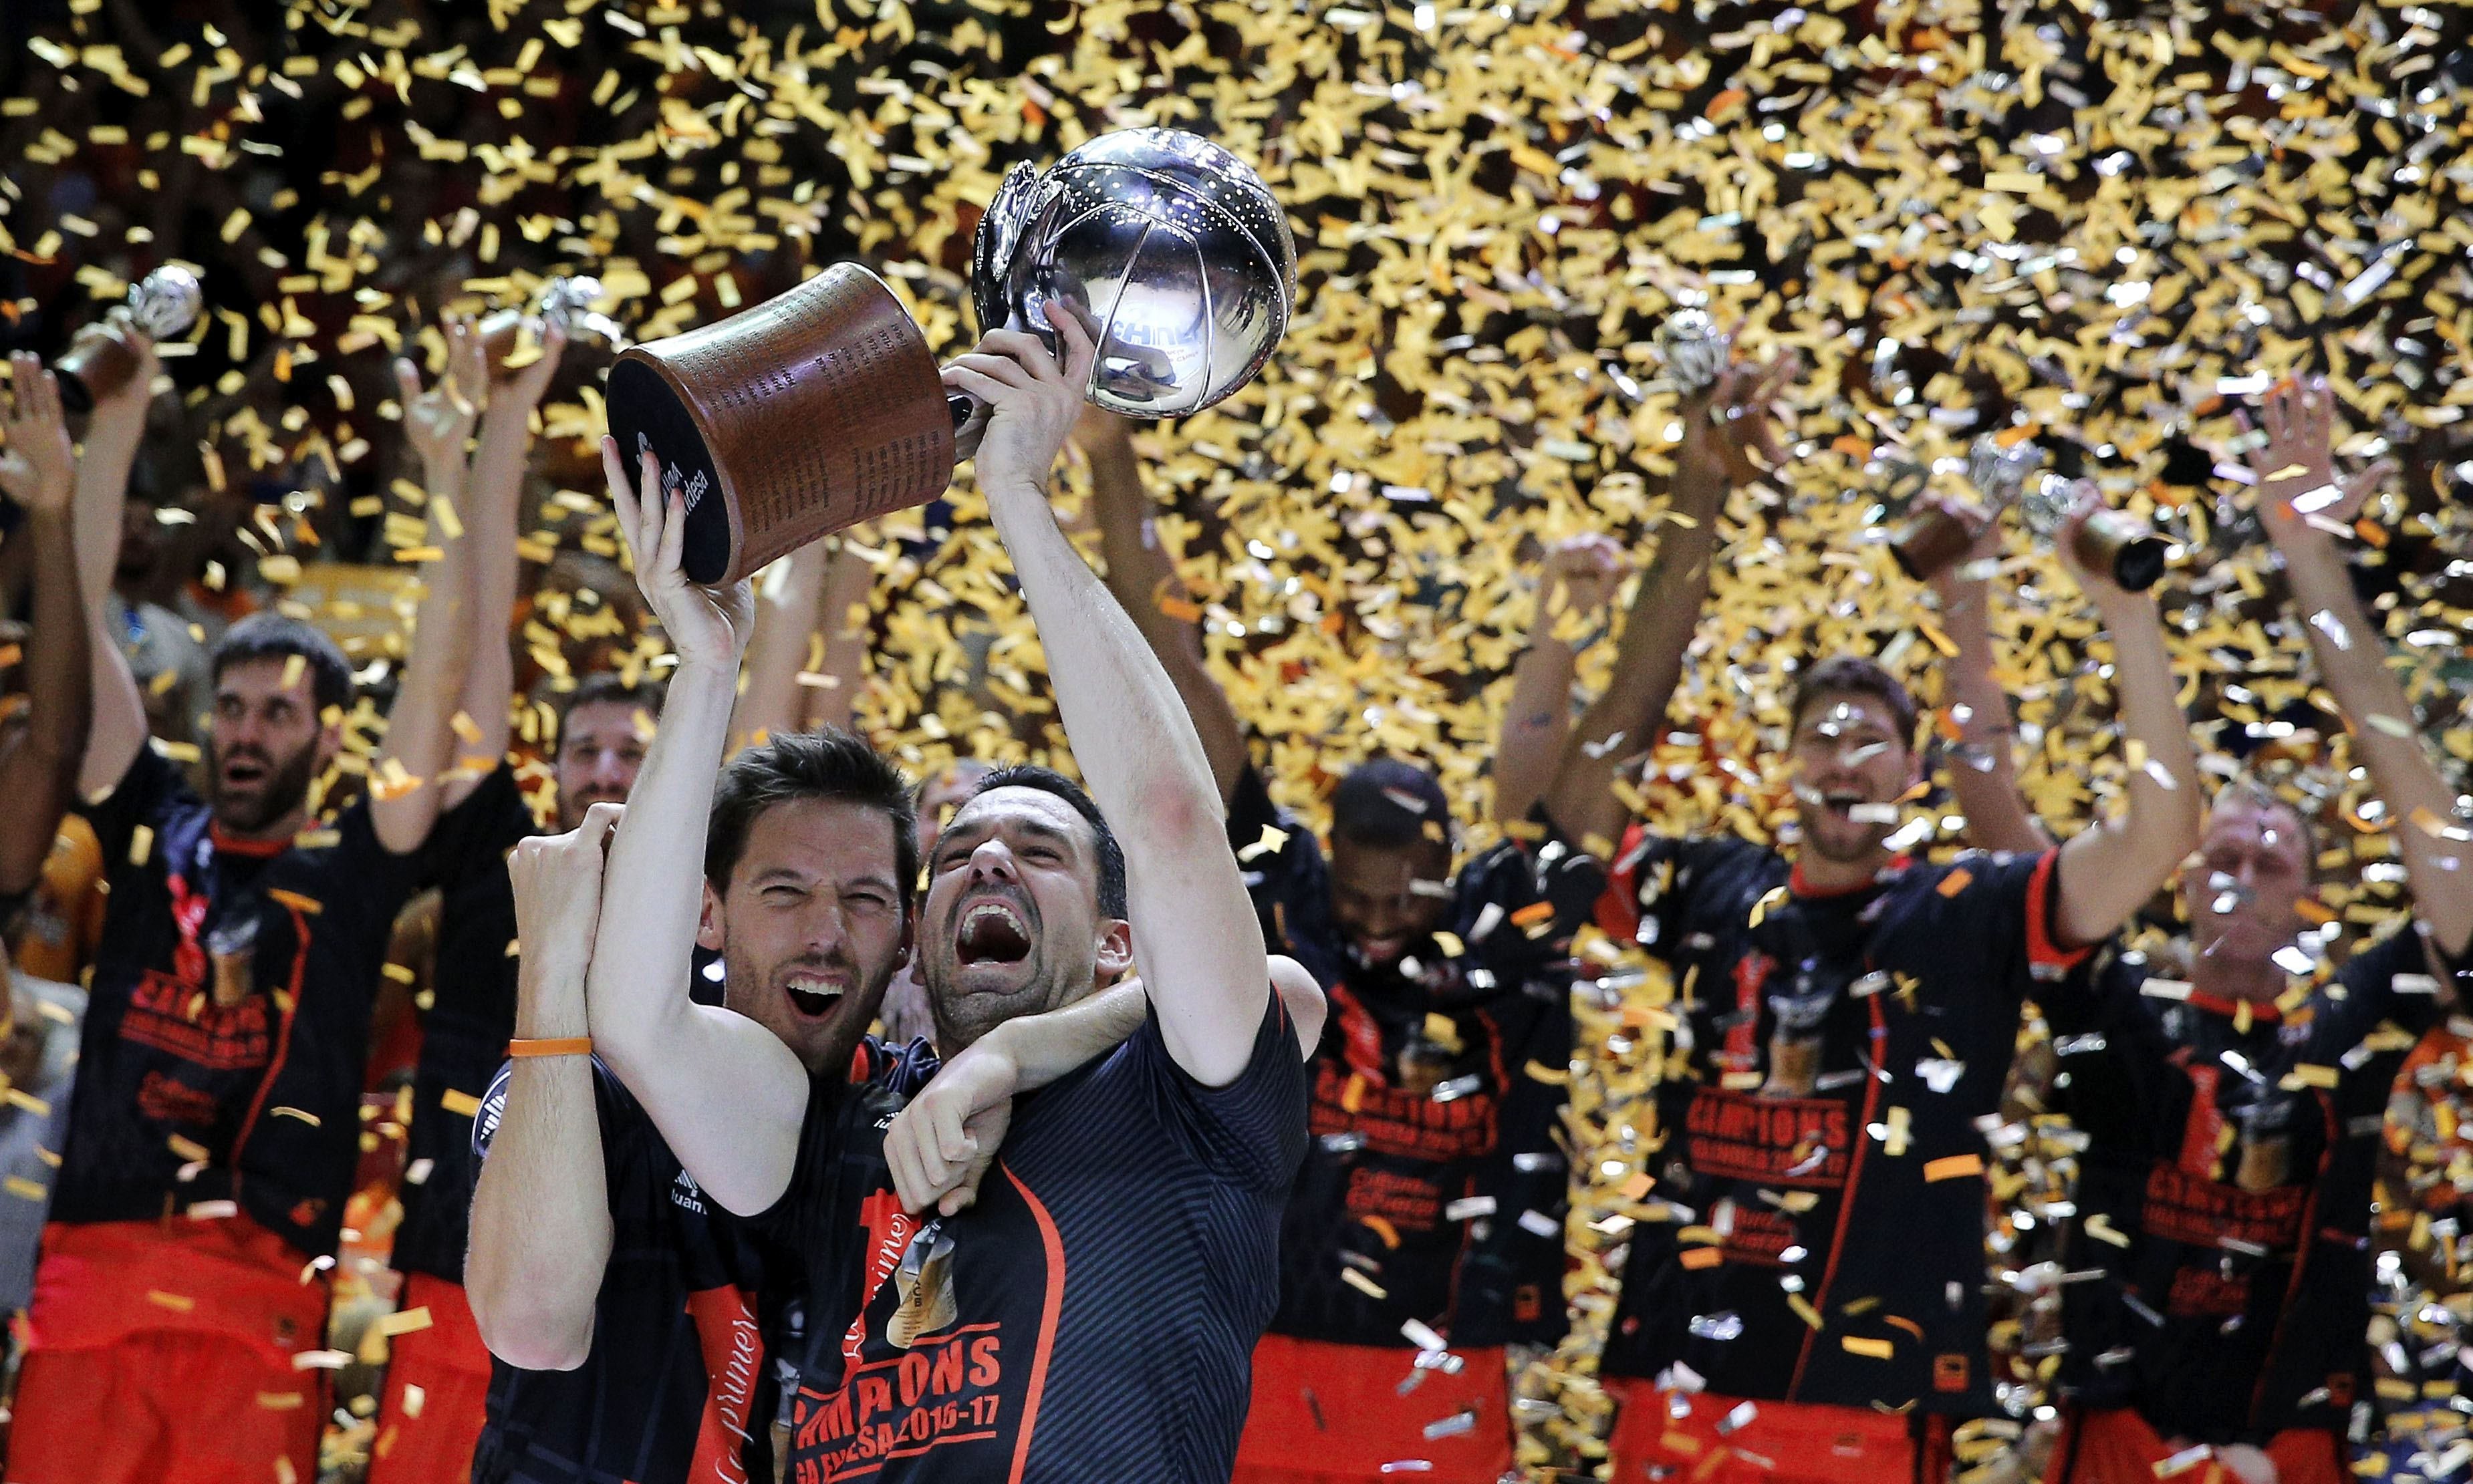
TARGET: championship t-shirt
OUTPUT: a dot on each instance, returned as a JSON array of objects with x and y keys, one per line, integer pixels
[
  {"x": 2224, "y": 1193},
  {"x": 221, "y": 1056},
  {"x": 1433, "y": 1191},
  {"x": 1814, "y": 1230},
  {"x": 1093, "y": 1316},
  {"x": 465, "y": 1028},
  {"x": 678, "y": 1385}
]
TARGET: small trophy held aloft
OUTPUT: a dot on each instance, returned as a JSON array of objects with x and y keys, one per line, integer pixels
[
  {"x": 101, "y": 360},
  {"x": 2111, "y": 541},
  {"x": 592, "y": 339},
  {"x": 1933, "y": 538},
  {"x": 1694, "y": 351}
]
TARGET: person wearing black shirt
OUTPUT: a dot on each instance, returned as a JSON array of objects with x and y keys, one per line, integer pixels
[
  {"x": 212, "y": 1133},
  {"x": 38, "y": 751},
  {"x": 1424, "y": 1233},
  {"x": 623, "y": 1305},
  {"x": 2233, "y": 1107},
  {"x": 1154, "y": 1175},
  {"x": 438, "y": 1371},
  {"x": 1802, "y": 1298}
]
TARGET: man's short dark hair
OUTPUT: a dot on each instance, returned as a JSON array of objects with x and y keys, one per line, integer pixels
[
  {"x": 1388, "y": 805},
  {"x": 1112, "y": 855},
  {"x": 604, "y": 687},
  {"x": 1844, "y": 675},
  {"x": 830, "y": 764},
  {"x": 276, "y": 636}
]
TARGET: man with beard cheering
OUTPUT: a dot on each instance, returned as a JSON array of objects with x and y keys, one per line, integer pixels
[
  {"x": 960, "y": 1349},
  {"x": 1802, "y": 1298},
  {"x": 212, "y": 1134}
]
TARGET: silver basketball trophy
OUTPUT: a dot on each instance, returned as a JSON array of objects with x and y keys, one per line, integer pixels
[
  {"x": 1170, "y": 248},
  {"x": 100, "y": 362}
]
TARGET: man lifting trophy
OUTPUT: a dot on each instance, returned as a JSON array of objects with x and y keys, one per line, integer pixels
[{"x": 822, "y": 407}]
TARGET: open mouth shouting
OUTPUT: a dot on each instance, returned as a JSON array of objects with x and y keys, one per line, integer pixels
[
  {"x": 992, "y": 932},
  {"x": 813, "y": 992},
  {"x": 245, "y": 771}
]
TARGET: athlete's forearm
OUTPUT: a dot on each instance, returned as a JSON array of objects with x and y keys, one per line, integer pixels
[
  {"x": 408, "y": 790},
  {"x": 2351, "y": 651},
  {"x": 540, "y": 1213},
  {"x": 1195, "y": 927},
  {"x": 786, "y": 595},
  {"x": 495, "y": 516},
  {"x": 2109, "y": 871},
  {"x": 1985, "y": 774},
  {"x": 1145, "y": 584},
  {"x": 1648, "y": 663},
  {"x": 116, "y": 722},
  {"x": 842, "y": 614},
  {"x": 41, "y": 773},
  {"x": 1043, "y": 1047}
]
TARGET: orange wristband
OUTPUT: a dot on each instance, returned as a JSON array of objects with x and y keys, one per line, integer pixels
[{"x": 564, "y": 1045}]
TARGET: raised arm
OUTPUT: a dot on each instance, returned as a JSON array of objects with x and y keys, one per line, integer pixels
[
  {"x": 408, "y": 786},
  {"x": 1723, "y": 431},
  {"x": 1983, "y": 771},
  {"x": 726, "y": 1093},
  {"x": 843, "y": 613},
  {"x": 1194, "y": 929},
  {"x": 1145, "y": 584},
  {"x": 787, "y": 596},
  {"x": 38, "y": 776},
  {"x": 1581, "y": 573},
  {"x": 112, "y": 433},
  {"x": 540, "y": 1213},
  {"x": 493, "y": 517},
  {"x": 2303, "y": 507},
  {"x": 2109, "y": 870}
]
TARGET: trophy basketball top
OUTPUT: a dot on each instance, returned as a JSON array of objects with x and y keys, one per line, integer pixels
[
  {"x": 810, "y": 412},
  {"x": 1173, "y": 248}
]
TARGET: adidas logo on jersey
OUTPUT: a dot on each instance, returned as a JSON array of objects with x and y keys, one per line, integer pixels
[{"x": 685, "y": 1195}]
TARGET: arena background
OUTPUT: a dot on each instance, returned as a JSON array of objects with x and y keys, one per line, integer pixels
[{"x": 2109, "y": 225}]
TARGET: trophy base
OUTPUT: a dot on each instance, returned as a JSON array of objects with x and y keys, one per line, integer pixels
[
  {"x": 802, "y": 415},
  {"x": 647, "y": 412},
  {"x": 97, "y": 364},
  {"x": 2126, "y": 546},
  {"x": 1928, "y": 542}
]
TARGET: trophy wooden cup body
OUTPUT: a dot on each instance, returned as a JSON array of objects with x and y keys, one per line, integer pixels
[{"x": 810, "y": 412}]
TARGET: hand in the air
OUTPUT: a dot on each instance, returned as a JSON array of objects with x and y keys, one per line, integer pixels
[
  {"x": 1731, "y": 429},
  {"x": 2295, "y": 468},
  {"x": 529, "y": 383},
  {"x": 707, "y": 625},
  {"x": 438, "y": 422},
  {"x": 1032, "y": 401},
  {"x": 119, "y": 416},
  {"x": 37, "y": 464},
  {"x": 1582, "y": 573},
  {"x": 944, "y": 1140},
  {"x": 2086, "y": 502},
  {"x": 557, "y": 884}
]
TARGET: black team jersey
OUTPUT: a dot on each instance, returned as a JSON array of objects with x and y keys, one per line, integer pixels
[
  {"x": 223, "y": 1054},
  {"x": 2224, "y": 1193},
  {"x": 465, "y": 1029},
  {"x": 1816, "y": 1229},
  {"x": 1433, "y": 1191},
  {"x": 1093, "y": 1317},
  {"x": 679, "y": 1387}
]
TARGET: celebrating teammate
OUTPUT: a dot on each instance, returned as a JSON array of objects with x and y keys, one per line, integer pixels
[
  {"x": 1803, "y": 1294},
  {"x": 212, "y": 1133},
  {"x": 2234, "y": 1108}
]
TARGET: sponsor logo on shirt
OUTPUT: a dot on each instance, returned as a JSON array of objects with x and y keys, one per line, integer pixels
[
  {"x": 2182, "y": 1208},
  {"x": 1401, "y": 1123},
  {"x": 1794, "y": 1142},
  {"x": 180, "y": 1018},
  {"x": 725, "y": 1321},
  {"x": 685, "y": 1196}
]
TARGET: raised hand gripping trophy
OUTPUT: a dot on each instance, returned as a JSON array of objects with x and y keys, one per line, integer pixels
[
  {"x": 2111, "y": 541},
  {"x": 822, "y": 407},
  {"x": 101, "y": 360}
]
